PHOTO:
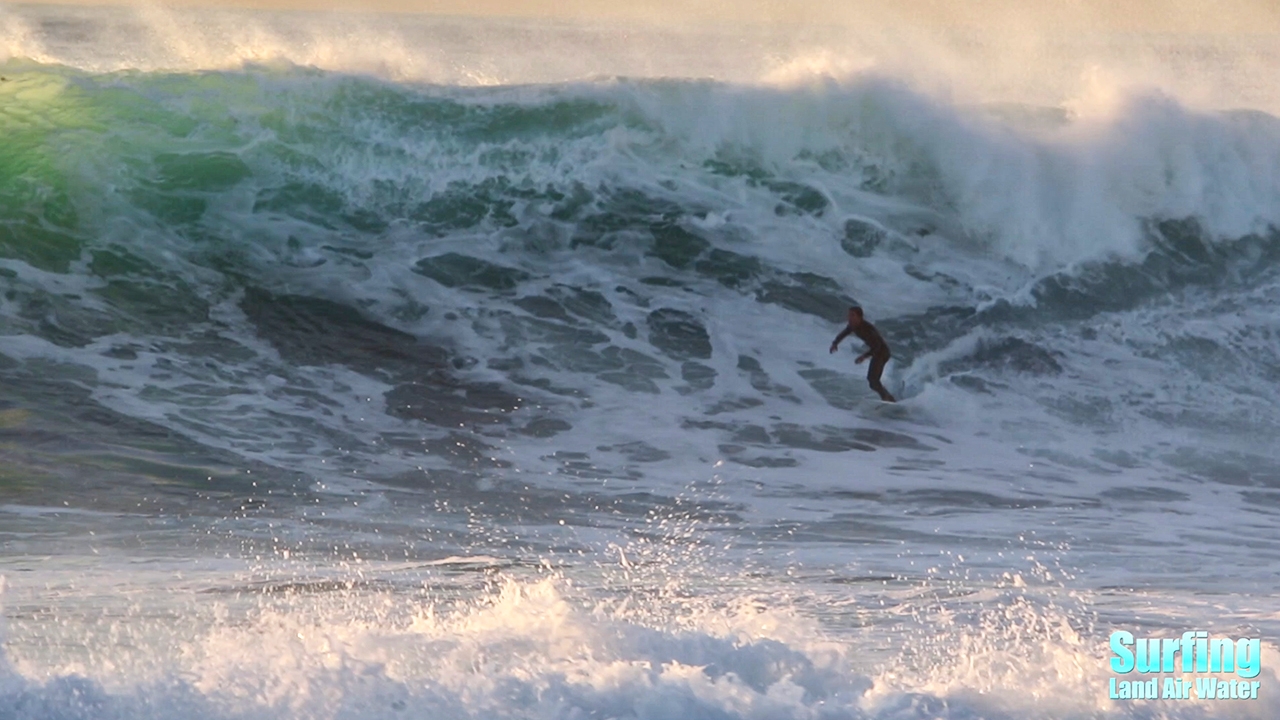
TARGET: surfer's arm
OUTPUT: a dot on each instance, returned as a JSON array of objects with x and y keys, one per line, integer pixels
[{"x": 843, "y": 334}]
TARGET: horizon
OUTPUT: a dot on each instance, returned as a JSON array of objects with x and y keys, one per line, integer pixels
[
  {"x": 997, "y": 55},
  {"x": 1247, "y": 17}
]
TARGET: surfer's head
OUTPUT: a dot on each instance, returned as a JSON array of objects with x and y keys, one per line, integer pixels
[{"x": 855, "y": 315}]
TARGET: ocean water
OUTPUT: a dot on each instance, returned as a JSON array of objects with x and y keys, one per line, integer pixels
[{"x": 387, "y": 367}]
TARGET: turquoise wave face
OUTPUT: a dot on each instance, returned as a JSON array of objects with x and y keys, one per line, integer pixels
[
  {"x": 494, "y": 253},
  {"x": 152, "y": 178}
]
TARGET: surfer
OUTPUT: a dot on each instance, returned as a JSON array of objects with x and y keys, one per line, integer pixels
[{"x": 877, "y": 349}]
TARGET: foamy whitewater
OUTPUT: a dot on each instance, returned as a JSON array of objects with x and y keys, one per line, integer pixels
[{"x": 404, "y": 367}]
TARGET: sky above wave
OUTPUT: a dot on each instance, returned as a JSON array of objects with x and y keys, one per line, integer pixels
[{"x": 1251, "y": 17}]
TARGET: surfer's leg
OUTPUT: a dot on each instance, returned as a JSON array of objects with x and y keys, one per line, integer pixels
[{"x": 873, "y": 377}]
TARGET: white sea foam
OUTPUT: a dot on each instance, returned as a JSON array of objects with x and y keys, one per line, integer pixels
[{"x": 541, "y": 649}]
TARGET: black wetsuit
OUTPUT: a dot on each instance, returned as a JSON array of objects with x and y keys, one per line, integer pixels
[{"x": 879, "y": 350}]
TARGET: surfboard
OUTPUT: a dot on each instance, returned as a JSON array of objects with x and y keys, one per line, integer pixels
[{"x": 896, "y": 410}]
